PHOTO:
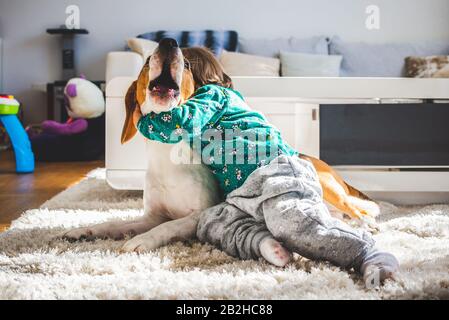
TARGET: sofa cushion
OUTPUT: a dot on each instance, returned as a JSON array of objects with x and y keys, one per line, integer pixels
[
  {"x": 212, "y": 39},
  {"x": 272, "y": 47},
  {"x": 142, "y": 46},
  {"x": 296, "y": 64},
  {"x": 380, "y": 60},
  {"x": 427, "y": 67},
  {"x": 240, "y": 64}
]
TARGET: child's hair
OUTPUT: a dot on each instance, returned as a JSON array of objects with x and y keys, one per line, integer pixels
[{"x": 205, "y": 68}]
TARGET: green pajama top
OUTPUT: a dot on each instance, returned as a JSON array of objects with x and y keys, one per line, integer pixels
[{"x": 232, "y": 139}]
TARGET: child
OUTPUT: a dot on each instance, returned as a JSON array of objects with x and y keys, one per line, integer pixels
[{"x": 270, "y": 193}]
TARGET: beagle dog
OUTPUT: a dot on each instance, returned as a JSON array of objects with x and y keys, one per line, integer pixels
[{"x": 176, "y": 193}]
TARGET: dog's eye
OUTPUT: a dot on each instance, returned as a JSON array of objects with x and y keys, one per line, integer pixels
[{"x": 187, "y": 64}]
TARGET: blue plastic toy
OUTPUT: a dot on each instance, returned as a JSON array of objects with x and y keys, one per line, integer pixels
[{"x": 9, "y": 107}]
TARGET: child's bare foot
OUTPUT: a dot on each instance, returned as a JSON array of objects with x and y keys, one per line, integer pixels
[
  {"x": 274, "y": 252},
  {"x": 377, "y": 267}
]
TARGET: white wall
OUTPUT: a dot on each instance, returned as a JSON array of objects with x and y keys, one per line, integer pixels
[{"x": 32, "y": 57}]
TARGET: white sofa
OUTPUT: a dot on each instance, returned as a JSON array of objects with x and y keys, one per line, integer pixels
[
  {"x": 123, "y": 64},
  {"x": 293, "y": 105}
]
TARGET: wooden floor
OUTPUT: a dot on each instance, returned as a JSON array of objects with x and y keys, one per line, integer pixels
[{"x": 20, "y": 192}]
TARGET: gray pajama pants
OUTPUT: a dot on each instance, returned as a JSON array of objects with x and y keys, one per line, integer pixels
[{"x": 284, "y": 200}]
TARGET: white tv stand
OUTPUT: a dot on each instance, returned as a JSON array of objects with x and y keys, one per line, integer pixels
[{"x": 293, "y": 105}]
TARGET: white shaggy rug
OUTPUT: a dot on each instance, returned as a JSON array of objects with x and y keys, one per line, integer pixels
[{"x": 33, "y": 265}]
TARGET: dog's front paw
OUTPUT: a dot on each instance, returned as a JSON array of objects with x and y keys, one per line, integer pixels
[
  {"x": 78, "y": 234},
  {"x": 141, "y": 244}
]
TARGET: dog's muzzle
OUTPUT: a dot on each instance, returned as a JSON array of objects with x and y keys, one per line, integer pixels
[{"x": 166, "y": 67}]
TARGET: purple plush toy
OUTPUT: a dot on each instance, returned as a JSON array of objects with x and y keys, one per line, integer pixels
[
  {"x": 82, "y": 136},
  {"x": 72, "y": 126},
  {"x": 84, "y": 100}
]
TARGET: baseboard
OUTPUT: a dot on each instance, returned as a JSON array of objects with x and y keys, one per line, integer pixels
[
  {"x": 397, "y": 181},
  {"x": 411, "y": 198}
]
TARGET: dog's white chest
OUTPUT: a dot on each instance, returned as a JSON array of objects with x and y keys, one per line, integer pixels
[{"x": 176, "y": 183}]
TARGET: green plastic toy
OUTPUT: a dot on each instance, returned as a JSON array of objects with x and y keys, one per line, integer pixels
[{"x": 9, "y": 107}]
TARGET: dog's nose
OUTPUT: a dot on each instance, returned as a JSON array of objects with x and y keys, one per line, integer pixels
[{"x": 168, "y": 43}]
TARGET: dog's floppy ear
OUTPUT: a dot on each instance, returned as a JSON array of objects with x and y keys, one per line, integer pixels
[
  {"x": 187, "y": 86},
  {"x": 129, "y": 130},
  {"x": 143, "y": 82},
  {"x": 135, "y": 96}
]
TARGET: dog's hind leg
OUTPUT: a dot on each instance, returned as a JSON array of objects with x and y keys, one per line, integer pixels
[
  {"x": 116, "y": 230},
  {"x": 361, "y": 210},
  {"x": 171, "y": 231}
]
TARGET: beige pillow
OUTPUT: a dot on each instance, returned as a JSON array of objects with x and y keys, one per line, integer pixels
[
  {"x": 427, "y": 67},
  {"x": 142, "y": 46},
  {"x": 442, "y": 73},
  {"x": 240, "y": 64}
]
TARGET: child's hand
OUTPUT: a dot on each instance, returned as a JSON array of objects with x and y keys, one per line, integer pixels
[{"x": 137, "y": 114}]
